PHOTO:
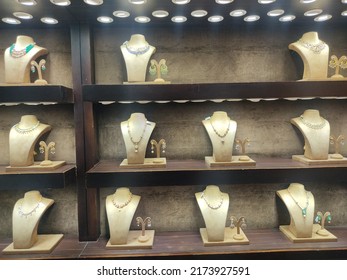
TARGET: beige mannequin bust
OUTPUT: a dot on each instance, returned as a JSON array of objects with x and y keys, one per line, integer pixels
[
  {"x": 214, "y": 207},
  {"x": 18, "y": 58},
  {"x": 120, "y": 209},
  {"x": 22, "y": 139},
  {"x": 136, "y": 53},
  {"x": 316, "y": 132},
  {"x": 26, "y": 216},
  {"x": 136, "y": 133},
  {"x": 300, "y": 205},
  {"x": 221, "y": 130},
  {"x": 314, "y": 54}
]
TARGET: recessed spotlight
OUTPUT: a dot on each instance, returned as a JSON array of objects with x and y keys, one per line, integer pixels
[
  {"x": 344, "y": 13},
  {"x": 137, "y": 2},
  {"x": 323, "y": 17},
  {"x": 199, "y": 13},
  {"x": 22, "y": 15},
  {"x": 93, "y": 2},
  {"x": 215, "y": 18},
  {"x": 266, "y": 1},
  {"x": 104, "y": 19},
  {"x": 312, "y": 13},
  {"x": 179, "y": 19},
  {"x": 238, "y": 13},
  {"x": 121, "y": 14},
  {"x": 287, "y": 18},
  {"x": 251, "y": 18},
  {"x": 160, "y": 13},
  {"x": 142, "y": 19},
  {"x": 49, "y": 20},
  {"x": 180, "y": 2},
  {"x": 11, "y": 20},
  {"x": 224, "y": 1},
  {"x": 344, "y": 1},
  {"x": 275, "y": 13},
  {"x": 307, "y": 1},
  {"x": 61, "y": 2},
  {"x": 27, "y": 2}
]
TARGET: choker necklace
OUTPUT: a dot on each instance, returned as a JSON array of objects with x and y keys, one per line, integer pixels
[
  {"x": 136, "y": 143},
  {"x": 303, "y": 209},
  {"x": 26, "y": 130},
  {"x": 19, "y": 53},
  {"x": 26, "y": 214},
  {"x": 313, "y": 126},
  {"x": 122, "y": 205},
  {"x": 214, "y": 207},
  {"x": 219, "y": 134},
  {"x": 316, "y": 48},
  {"x": 136, "y": 51}
]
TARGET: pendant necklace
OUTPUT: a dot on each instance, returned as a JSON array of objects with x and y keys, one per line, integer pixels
[
  {"x": 136, "y": 143},
  {"x": 315, "y": 48},
  {"x": 136, "y": 51},
  {"x": 121, "y": 205},
  {"x": 313, "y": 126},
  {"x": 19, "y": 53},
  {"x": 214, "y": 207},
  {"x": 221, "y": 136},
  {"x": 26, "y": 214},
  {"x": 303, "y": 209},
  {"x": 26, "y": 130}
]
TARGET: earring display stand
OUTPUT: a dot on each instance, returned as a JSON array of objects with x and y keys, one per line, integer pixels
[{"x": 314, "y": 238}]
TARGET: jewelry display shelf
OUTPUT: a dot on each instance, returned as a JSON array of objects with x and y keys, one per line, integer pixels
[
  {"x": 58, "y": 178},
  {"x": 210, "y": 91},
  {"x": 35, "y": 94},
  {"x": 264, "y": 244},
  {"x": 196, "y": 172}
]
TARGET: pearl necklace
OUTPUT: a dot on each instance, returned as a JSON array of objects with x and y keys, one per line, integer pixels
[
  {"x": 26, "y": 130},
  {"x": 313, "y": 126},
  {"x": 316, "y": 48},
  {"x": 303, "y": 209},
  {"x": 214, "y": 207},
  {"x": 136, "y": 143},
  {"x": 222, "y": 136},
  {"x": 136, "y": 51},
  {"x": 26, "y": 214},
  {"x": 19, "y": 53},
  {"x": 122, "y": 205}
]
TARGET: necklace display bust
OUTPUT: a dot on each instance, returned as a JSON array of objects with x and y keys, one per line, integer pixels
[
  {"x": 137, "y": 53},
  {"x": 314, "y": 54},
  {"x": 22, "y": 139},
  {"x": 18, "y": 57}
]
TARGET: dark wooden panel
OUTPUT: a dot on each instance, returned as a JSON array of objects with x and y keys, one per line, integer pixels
[
  {"x": 210, "y": 91},
  {"x": 32, "y": 93},
  {"x": 25, "y": 180},
  {"x": 195, "y": 172}
]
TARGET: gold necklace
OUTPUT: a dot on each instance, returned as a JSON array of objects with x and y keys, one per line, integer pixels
[
  {"x": 214, "y": 207},
  {"x": 26, "y": 214},
  {"x": 136, "y": 143},
  {"x": 25, "y": 130},
  {"x": 303, "y": 209},
  {"x": 222, "y": 136},
  {"x": 121, "y": 205}
]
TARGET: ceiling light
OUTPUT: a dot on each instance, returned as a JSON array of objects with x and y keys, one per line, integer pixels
[
  {"x": 142, "y": 19},
  {"x": 344, "y": 1},
  {"x": 344, "y": 13},
  {"x": 199, "y": 13},
  {"x": 179, "y": 19},
  {"x": 93, "y": 2},
  {"x": 224, "y": 1},
  {"x": 49, "y": 20},
  {"x": 238, "y": 13},
  {"x": 22, "y": 15},
  {"x": 121, "y": 14},
  {"x": 160, "y": 13},
  {"x": 215, "y": 18},
  {"x": 266, "y": 1},
  {"x": 137, "y": 2},
  {"x": 323, "y": 17},
  {"x": 251, "y": 18},
  {"x": 275, "y": 13},
  {"x": 287, "y": 18},
  {"x": 180, "y": 2},
  {"x": 307, "y": 1},
  {"x": 27, "y": 2},
  {"x": 105, "y": 19},
  {"x": 312, "y": 13},
  {"x": 11, "y": 20},
  {"x": 61, "y": 2}
]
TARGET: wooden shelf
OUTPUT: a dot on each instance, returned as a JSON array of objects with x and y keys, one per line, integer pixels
[
  {"x": 35, "y": 94},
  {"x": 264, "y": 244},
  {"x": 195, "y": 172},
  {"x": 210, "y": 91},
  {"x": 25, "y": 180}
]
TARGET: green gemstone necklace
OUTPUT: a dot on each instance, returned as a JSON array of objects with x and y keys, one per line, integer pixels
[
  {"x": 19, "y": 53},
  {"x": 303, "y": 209}
]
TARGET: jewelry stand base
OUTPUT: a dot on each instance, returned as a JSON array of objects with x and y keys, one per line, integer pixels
[
  {"x": 36, "y": 167},
  {"x": 45, "y": 244},
  {"x": 147, "y": 83},
  {"x": 22, "y": 84},
  {"x": 314, "y": 238},
  {"x": 133, "y": 241},
  {"x": 308, "y": 161},
  {"x": 148, "y": 163},
  {"x": 229, "y": 239},
  {"x": 236, "y": 161}
]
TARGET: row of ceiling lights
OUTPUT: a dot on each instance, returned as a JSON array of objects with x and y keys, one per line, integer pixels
[{"x": 178, "y": 19}]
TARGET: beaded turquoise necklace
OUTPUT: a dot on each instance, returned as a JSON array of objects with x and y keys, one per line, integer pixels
[{"x": 19, "y": 53}]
